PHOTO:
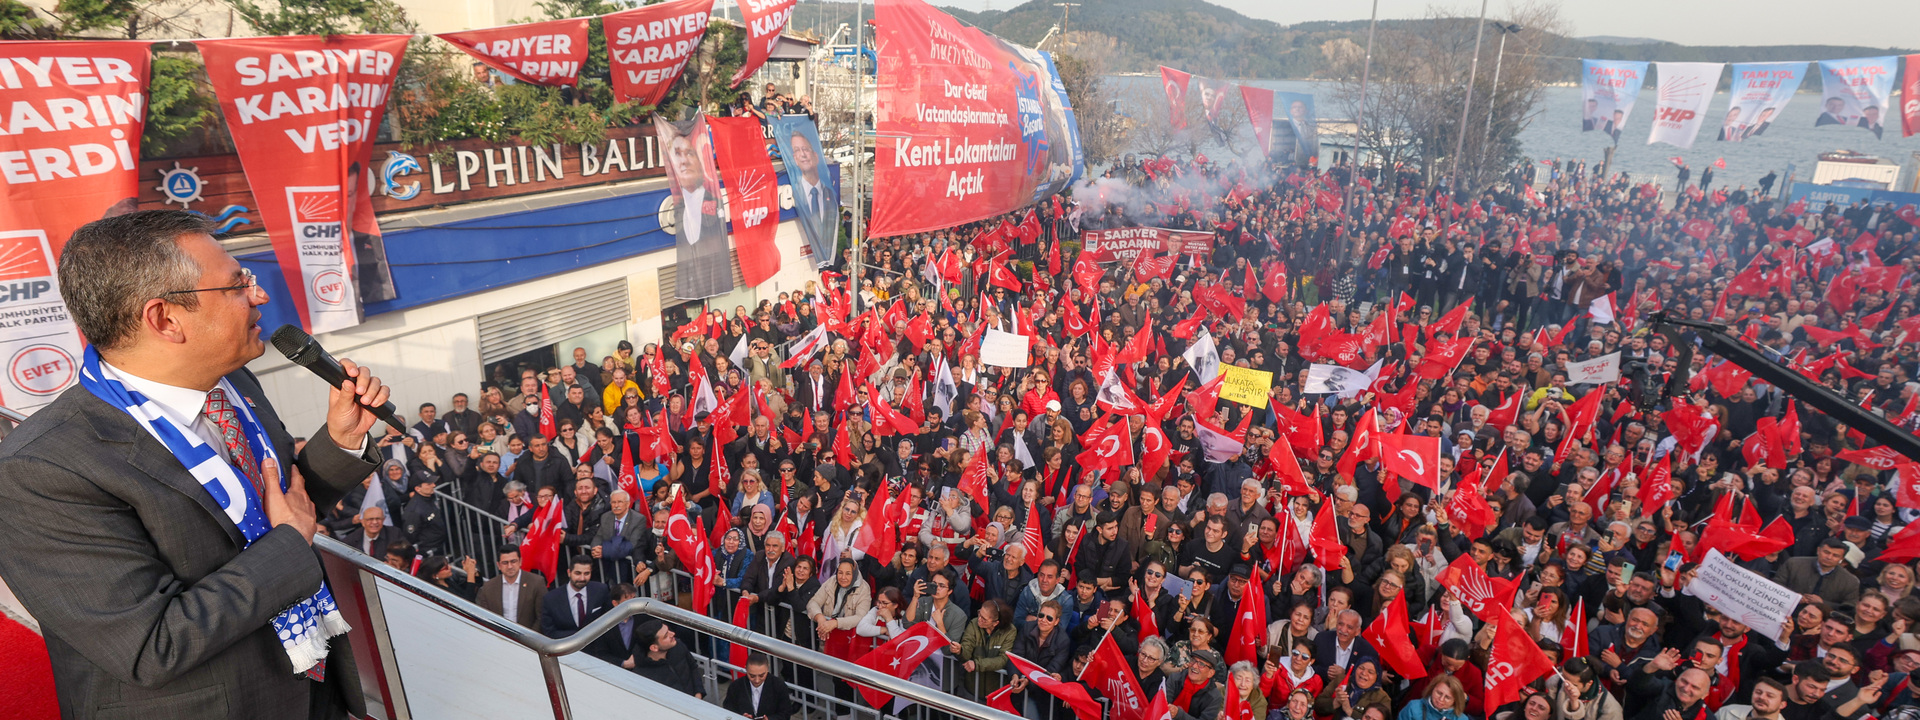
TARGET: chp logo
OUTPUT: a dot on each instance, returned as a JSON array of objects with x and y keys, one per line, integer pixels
[
  {"x": 41, "y": 369},
  {"x": 25, "y": 273}
]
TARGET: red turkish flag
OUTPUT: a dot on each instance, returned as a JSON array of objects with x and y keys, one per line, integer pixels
[
  {"x": 1249, "y": 633},
  {"x": 1443, "y": 356},
  {"x": 1109, "y": 672},
  {"x": 1574, "y": 634},
  {"x": 1275, "y": 287},
  {"x": 878, "y": 537},
  {"x": 1508, "y": 411},
  {"x": 1484, "y": 596},
  {"x": 999, "y": 276},
  {"x": 542, "y": 546},
  {"x": 1361, "y": 447},
  {"x": 1033, "y": 541},
  {"x": 1412, "y": 457},
  {"x": 900, "y": 656},
  {"x": 1513, "y": 661},
  {"x": 690, "y": 547},
  {"x": 1325, "y": 539},
  {"x": 1156, "y": 449},
  {"x": 1468, "y": 508},
  {"x": 1072, "y": 693},
  {"x": 1108, "y": 445},
  {"x": 1699, "y": 228},
  {"x": 549, "y": 428},
  {"x": 1389, "y": 632}
]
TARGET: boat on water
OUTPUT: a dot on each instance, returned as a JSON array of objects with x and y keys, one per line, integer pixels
[{"x": 1849, "y": 156}]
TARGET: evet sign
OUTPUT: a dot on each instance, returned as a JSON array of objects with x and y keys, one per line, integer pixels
[
  {"x": 41, "y": 369},
  {"x": 37, "y": 336}
]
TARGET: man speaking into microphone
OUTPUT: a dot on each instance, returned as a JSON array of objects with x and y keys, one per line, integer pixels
[{"x": 155, "y": 518}]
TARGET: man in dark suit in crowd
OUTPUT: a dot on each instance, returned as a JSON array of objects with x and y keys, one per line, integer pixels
[
  {"x": 763, "y": 696},
  {"x": 151, "y": 596},
  {"x": 624, "y": 535},
  {"x": 617, "y": 645},
  {"x": 571, "y": 606},
  {"x": 514, "y": 594},
  {"x": 542, "y": 467},
  {"x": 815, "y": 391},
  {"x": 462, "y": 419},
  {"x": 371, "y": 536}
]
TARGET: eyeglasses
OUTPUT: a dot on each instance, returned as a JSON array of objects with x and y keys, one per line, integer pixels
[
  {"x": 1155, "y": 573},
  {"x": 247, "y": 282},
  {"x": 1049, "y": 618}
]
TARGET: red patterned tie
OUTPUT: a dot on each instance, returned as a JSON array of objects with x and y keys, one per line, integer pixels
[
  {"x": 221, "y": 413},
  {"x": 226, "y": 419}
]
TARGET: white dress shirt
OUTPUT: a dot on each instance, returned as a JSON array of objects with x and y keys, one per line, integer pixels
[
  {"x": 510, "y": 596},
  {"x": 690, "y": 216}
]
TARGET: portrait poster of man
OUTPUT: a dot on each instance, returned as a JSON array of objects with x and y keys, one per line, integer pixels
[
  {"x": 1759, "y": 92},
  {"x": 1855, "y": 92},
  {"x": 1296, "y": 134},
  {"x": 815, "y": 184},
  {"x": 1608, "y": 89},
  {"x": 704, "y": 259}
]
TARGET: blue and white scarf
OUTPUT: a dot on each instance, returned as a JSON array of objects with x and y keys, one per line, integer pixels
[{"x": 305, "y": 627}]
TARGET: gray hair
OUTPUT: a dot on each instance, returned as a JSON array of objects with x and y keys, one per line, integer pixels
[
  {"x": 1251, "y": 483},
  {"x": 512, "y": 486},
  {"x": 113, "y": 266},
  {"x": 1153, "y": 642},
  {"x": 773, "y": 535},
  {"x": 1218, "y": 500},
  {"x": 1243, "y": 671},
  {"x": 1348, "y": 493}
]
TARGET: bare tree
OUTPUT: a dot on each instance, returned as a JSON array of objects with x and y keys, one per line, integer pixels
[{"x": 1414, "y": 93}]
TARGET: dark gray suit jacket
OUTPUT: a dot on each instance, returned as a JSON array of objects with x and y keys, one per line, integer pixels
[{"x": 150, "y": 605}]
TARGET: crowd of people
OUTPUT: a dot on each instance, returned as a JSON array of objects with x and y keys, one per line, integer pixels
[{"x": 854, "y": 462}]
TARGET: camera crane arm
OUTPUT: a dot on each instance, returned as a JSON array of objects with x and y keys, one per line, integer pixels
[{"x": 1715, "y": 339}]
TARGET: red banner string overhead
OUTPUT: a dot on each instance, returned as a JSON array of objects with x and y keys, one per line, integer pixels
[
  {"x": 541, "y": 53},
  {"x": 753, "y": 194},
  {"x": 69, "y": 155},
  {"x": 647, "y": 47},
  {"x": 1259, "y": 103},
  {"x": 1176, "y": 82},
  {"x": 303, "y": 111},
  {"x": 764, "y": 19}
]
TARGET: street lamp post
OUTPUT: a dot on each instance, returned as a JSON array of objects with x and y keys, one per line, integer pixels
[
  {"x": 1360, "y": 115},
  {"x": 1473, "y": 73},
  {"x": 1493, "y": 96}
]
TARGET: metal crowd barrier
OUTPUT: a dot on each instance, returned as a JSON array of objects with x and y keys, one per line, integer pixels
[
  {"x": 353, "y": 576},
  {"x": 475, "y": 532}
]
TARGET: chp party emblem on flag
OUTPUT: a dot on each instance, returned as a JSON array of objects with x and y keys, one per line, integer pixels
[{"x": 317, "y": 227}]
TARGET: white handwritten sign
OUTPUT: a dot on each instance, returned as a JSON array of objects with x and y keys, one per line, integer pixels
[{"x": 1743, "y": 595}]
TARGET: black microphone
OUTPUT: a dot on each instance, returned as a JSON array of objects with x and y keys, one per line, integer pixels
[{"x": 306, "y": 352}]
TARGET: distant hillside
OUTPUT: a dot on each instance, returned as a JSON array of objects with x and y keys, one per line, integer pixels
[{"x": 1208, "y": 39}]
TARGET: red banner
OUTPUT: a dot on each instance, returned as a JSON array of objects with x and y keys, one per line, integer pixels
[
  {"x": 953, "y": 101},
  {"x": 1129, "y": 244},
  {"x": 764, "y": 19},
  {"x": 1910, "y": 98},
  {"x": 1260, "y": 113},
  {"x": 70, "y": 131},
  {"x": 542, "y": 53},
  {"x": 303, "y": 111},
  {"x": 1176, "y": 83},
  {"x": 753, "y": 194},
  {"x": 647, "y": 47}
]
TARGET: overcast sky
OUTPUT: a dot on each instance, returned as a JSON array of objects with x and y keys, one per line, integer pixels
[{"x": 1872, "y": 23}]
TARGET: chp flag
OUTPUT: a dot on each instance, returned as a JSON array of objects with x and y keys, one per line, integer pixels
[
  {"x": 540, "y": 53},
  {"x": 1603, "y": 369},
  {"x": 303, "y": 111},
  {"x": 1681, "y": 105},
  {"x": 69, "y": 155}
]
